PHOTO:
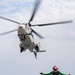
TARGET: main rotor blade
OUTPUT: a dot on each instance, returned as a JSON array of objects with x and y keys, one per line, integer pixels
[
  {"x": 70, "y": 21},
  {"x": 37, "y": 34},
  {"x": 8, "y": 32},
  {"x": 34, "y": 10},
  {"x": 9, "y": 19}
]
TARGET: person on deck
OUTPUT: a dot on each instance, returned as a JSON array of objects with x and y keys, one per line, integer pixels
[{"x": 54, "y": 72}]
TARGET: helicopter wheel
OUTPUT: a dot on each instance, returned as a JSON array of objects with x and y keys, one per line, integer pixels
[
  {"x": 22, "y": 49},
  {"x": 37, "y": 48}
]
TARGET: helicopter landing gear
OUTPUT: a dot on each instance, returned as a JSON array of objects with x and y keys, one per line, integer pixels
[
  {"x": 21, "y": 49},
  {"x": 35, "y": 55},
  {"x": 37, "y": 48}
]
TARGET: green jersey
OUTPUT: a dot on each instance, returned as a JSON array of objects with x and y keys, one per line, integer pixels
[{"x": 54, "y": 73}]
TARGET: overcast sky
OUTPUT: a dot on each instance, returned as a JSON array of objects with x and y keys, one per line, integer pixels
[{"x": 59, "y": 41}]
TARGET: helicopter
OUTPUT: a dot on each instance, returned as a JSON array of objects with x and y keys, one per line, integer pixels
[{"x": 25, "y": 32}]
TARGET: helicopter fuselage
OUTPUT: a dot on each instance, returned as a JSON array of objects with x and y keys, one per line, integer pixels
[{"x": 27, "y": 39}]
